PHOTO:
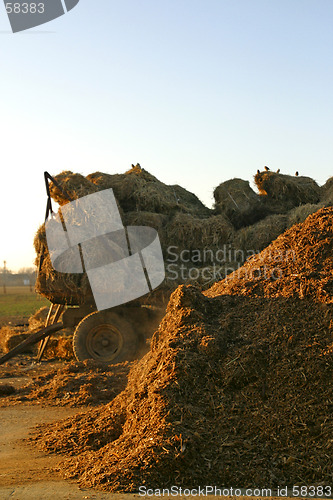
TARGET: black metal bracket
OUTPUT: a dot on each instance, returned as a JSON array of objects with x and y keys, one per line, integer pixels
[{"x": 47, "y": 178}]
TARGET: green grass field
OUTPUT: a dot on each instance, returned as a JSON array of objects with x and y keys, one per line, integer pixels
[{"x": 19, "y": 303}]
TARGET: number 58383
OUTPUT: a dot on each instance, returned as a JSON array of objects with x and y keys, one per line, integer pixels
[{"x": 25, "y": 8}]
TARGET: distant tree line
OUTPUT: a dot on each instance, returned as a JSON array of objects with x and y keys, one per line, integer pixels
[{"x": 24, "y": 276}]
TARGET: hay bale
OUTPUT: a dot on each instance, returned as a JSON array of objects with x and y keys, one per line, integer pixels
[
  {"x": 12, "y": 336},
  {"x": 142, "y": 200},
  {"x": 327, "y": 192},
  {"x": 190, "y": 233},
  {"x": 150, "y": 219},
  {"x": 138, "y": 190},
  {"x": 252, "y": 239},
  {"x": 193, "y": 244},
  {"x": 61, "y": 288},
  {"x": 7, "y": 390},
  {"x": 299, "y": 214},
  {"x": 288, "y": 190},
  {"x": 76, "y": 185},
  {"x": 236, "y": 200},
  {"x": 59, "y": 347},
  {"x": 37, "y": 320},
  {"x": 189, "y": 201},
  {"x": 124, "y": 186}
]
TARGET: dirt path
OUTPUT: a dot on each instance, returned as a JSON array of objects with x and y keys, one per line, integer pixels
[{"x": 25, "y": 473}]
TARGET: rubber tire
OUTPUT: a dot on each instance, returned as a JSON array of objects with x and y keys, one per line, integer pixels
[{"x": 108, "y": 325}]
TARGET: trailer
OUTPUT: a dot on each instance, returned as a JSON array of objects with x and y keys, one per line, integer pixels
[{"x": 111, "y": 335}]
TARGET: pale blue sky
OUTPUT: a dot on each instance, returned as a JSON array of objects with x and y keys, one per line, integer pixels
[{"x": 197, "y": 91}]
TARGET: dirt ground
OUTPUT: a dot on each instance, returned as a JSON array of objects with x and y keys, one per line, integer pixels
[{"x": 24, "y": 471}]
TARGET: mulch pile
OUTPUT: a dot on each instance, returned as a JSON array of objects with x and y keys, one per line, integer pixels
[
  {"x": 79, "y": 383},
  {"x": 76, "y": 384},
  {"x": 237, "y": 388}
]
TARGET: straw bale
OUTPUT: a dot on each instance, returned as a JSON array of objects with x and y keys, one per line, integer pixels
[
  {"x": 189, "y": 201},
  {"x": 12, "y": 336},
  {"x": 59, "y": 347},
  {"x": 71, "y": 288},
  {"x": 252, "y": 239},
  {"x": 142, "y": 199},
  {"x": 192, "y": 248},
  {"x": 203, "y": 276},
  {"x": 299, "y": 214},
  {"x": 236, "y": 200},
  {"x": 292, "y": 191},
  {"x": 62, "y": 288},
  {"x": 76, "y": 185},
  {"x": 154, "y": 197},
  {"x": 124, "y": 186},
  {"x": 188, "y": 232},
  {"x": 138, "y": 190},
  {"x": 7, "y": 390},
  {"x": 37, "y": 320},
  {"x": 150, "y": 219},
  {"x": 327, "y": 192}
]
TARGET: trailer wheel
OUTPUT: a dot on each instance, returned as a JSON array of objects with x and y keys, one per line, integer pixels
[{"x": 106, "y": 337}]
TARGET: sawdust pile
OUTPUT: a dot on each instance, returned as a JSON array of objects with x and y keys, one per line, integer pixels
[
  {"x": 237, "y": 388},
  {"x": 78, "y": 383}
]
